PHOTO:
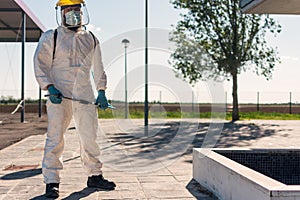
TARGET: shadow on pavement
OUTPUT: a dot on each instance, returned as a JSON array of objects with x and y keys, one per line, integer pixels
[
  {"x": 199, "y": 192},
  {"x": 167, "y": 141},
  {"x": 74, "y": 196},
  {"x": 28, "y": 173},
  {"x": 238, "y": 134},
  {"x": 226, "y": 134},
  {"x": 81, "y": 194},
  {"x": 22, "y": 174},
  {"x": 41, "y": 197}
]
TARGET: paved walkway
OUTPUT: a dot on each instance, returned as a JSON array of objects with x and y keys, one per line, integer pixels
[{"x": 145, "y": 164}]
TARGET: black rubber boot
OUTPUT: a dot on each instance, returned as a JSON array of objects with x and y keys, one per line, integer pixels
[
  {"x": 52, "y": 190},
  {"x": 100, "y": 183}
]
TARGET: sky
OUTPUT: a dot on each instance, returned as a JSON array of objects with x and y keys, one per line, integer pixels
[{"x": 114, "y": 20}]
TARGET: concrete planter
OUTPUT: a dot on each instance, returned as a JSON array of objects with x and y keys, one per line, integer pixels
[{"x": 230, "y": 180}]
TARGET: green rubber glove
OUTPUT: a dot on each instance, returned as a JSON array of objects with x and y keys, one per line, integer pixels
[
  {"x": 55, "y": 95},
  {"x": 102, "y": 100}
]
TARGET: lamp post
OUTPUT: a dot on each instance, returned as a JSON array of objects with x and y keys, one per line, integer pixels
[
  {"x": 23, "y": 66},
  {"x": 126, "y": 44},
  {"x": 146, "y": 66}
]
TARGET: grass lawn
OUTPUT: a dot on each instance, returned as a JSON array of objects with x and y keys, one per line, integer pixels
[
  {"x": 109, "y": 114},
  {"x": 269, "y": 115}
]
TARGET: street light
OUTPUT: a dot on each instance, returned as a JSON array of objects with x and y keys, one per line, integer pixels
[
  {"x": 126, "y": 44},
  {"x": 146, "y": 113}
]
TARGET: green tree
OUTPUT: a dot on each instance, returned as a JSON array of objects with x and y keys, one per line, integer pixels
[{"x": 214, "y": 39}]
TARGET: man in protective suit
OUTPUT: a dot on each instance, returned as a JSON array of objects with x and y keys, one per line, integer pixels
[{"x": 63, "y": 62}]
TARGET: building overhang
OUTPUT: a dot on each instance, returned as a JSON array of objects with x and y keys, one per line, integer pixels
[
  {"x": 270, "y": 6},
  {"x": 11, "y": 13}
]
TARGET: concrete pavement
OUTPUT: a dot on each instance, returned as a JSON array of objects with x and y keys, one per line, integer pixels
[{"x": 139, "y": 161}]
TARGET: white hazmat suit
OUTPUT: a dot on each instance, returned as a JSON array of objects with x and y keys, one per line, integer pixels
[{"x": 76, "y": 54}]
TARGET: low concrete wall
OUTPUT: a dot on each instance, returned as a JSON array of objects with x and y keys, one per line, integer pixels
[{"x": 230, "y": 180}]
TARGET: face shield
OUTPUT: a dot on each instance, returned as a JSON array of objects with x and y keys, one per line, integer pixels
[{"x": 72, "y": 16}]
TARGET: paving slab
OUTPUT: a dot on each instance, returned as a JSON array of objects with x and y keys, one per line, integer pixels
[{"x": 153, "y": 166}]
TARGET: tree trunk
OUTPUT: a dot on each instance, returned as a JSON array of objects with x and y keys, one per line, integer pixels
[{"x": 235, "y": 111}]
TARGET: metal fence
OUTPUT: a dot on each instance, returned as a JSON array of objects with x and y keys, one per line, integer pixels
[{"x": 249, "y": 101}]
